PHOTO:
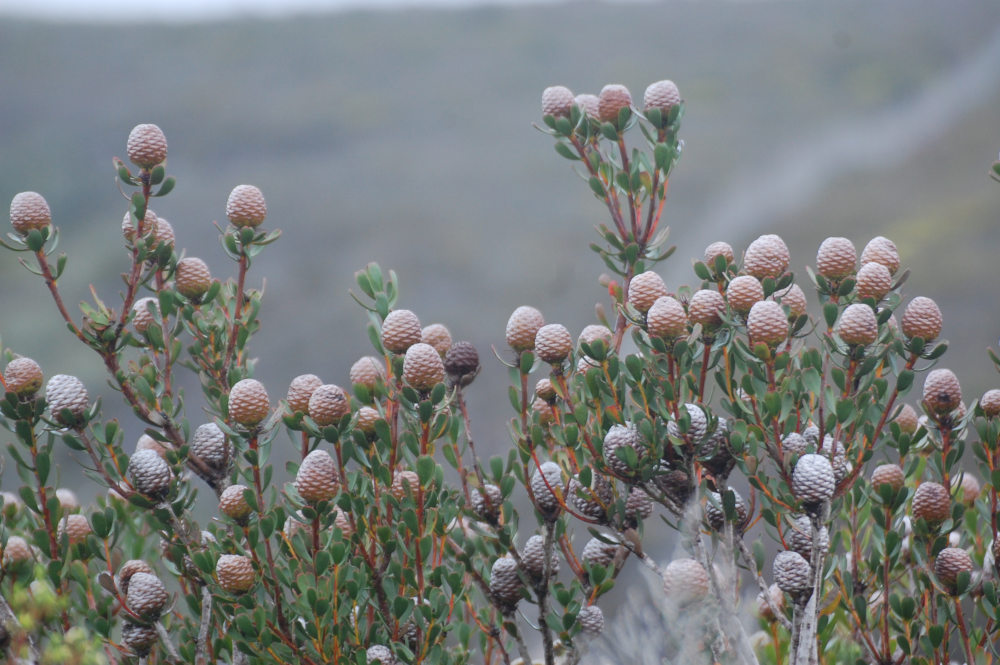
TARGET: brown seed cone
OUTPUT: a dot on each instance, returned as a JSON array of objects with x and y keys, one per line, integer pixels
[
  {"x": 367, "y": 417},
  {"x": 192, "y": 277},
  {"x": 146, "y": 597},
  {"x": 644, "y": 289},
  {"x": 557, "y": 100},
  {"x": 67, "y": 500},
  {"x": 969, "y": 489},
  {"x": 706, "y": 308},
  {"x": 246, "y": 206},
  {"x": 794, "y": 299},
  {"x": 545, "y": 391},
  {"x": 767, "y": 324},
  {"x": 164, "y": 232},
  {"x": 380, "y": 655},
  {"x": 798, "y": 537},
  {"x": 342, "y": 521},
  {"x": 546, "y": 487},
  {"x": 328, "y": 404},
  {"x": 149, "y": 225},
  {"x": 767, "y": 256},
  {"x": 613, "y": 98},
  {"x": 990, "y": 402},
  {"x": 599, "y": 553},
  {"x": 907, "y": 419},
  {"x": 591, "y": 619},
  {"x": 813, "y": 480},
  {"x": 400, "y": 330},
  {"x": 143, "y": 316},
  {"x": 140, "y": 639},
  {"x": 793, "y": 443},
  {"x": 150, "y": 474},
  {"x": 638, "y": 504},
  {"x": 16, "y": 550},
  {"x": 23, "y": 377},
  {"x": 422, "y": 367},
  {"x": 685, "y": 581},
  {"x": 233, "y": 504},
  {"x": 888, "y": 474},
  {"x": 777, "y": 598},
  {"x": 719, "y": 248},
  {"x": 300, "y": 390},
  {"x": 209, "y": 443},
  {"x": 147, "y": 146},
  {"x": 543, "y": 410},
  {"x": 249, "y": 404},
  {"x": 932, "y": 503},
  {"x": 486, "y": 502},
  {"x": 438, "y": 336},
  {"x": 553, "y": 343},
  {"x": 235, "y": 573},
  {"x": 589, "y": 104},
  {"x": 594, "y": 332},
  {"x": 793, "y": 574},
  {"x": 533, "y": 558},
  {"x": 836, "y": 258},
  {"x": 744, "y": 292},
  {"x": 667, "y": 318},
  {"x": 949, "y": 563},
  {"x": 662, "y": 95},
  {"x": 76, "y": 527},
  {"x": 857, "y": 325},
  {"x": 922, "y": 318},
  {"x": 716, "y": 516},
  {"x": 367, "y": 371},
  {"x": 317, "y": 479},
  {"x": 676, "y": 485},
  {"x": 522, "y": 326},
  {"x": 66, "y": 393},
  {"x": 404, "y": 482},
  {"x": 127, "y": 570},
  {"x": 505, "y": 583},
  {"x": 620, "y": 436},
  {"x": 697, "y": 427},
  {"x": 462, "y": 363},
  {"x": 593, "y": 501},
  {"x": 29, "y": 210},
  {"x": 146, "y": 442},
  {"x": 873, "y": 281},
  {"x": 942, "y": 391},
  {"x": 881, "y": 250}
]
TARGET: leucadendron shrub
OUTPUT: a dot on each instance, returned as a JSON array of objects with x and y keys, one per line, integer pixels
[{"x": 817, "y": 517}]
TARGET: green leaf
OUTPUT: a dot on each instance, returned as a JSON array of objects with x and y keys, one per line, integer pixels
[
  {"x": 167, "y": 187},
  {"x": 565, "y": 151},
  {"x": 830, "y": 312},
  {"x": 904, "y": 381},
  {"x": 597, "y": 187},
  {"x": 425, "y": 469}
]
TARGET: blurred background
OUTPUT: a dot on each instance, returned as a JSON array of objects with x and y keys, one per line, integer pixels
[{"x": 403, "y": 134}]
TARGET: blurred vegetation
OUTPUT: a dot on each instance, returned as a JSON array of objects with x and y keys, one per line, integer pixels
[{"x": 405, "y": 137}]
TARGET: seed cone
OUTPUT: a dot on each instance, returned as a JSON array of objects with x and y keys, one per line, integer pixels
[
  {"x": 545, "y": 391},
  {"x": 793, "y": 574},
  {"x": 367, "y": 371},
  {"x": 932, "y": 503},
  {"x": 907, "y": 419},
  {"x": 127, "y": 570},
  {"x": 767, "y": 256},
  {"x": 192, "y": 277},
  {"x": 922, "y": 318},
  {"x": 140, "y": 639},
  {"x": 147, "y": 597},
  {"x": 557, "y": 100},
  {"x": 209, "y": 443},
  {"x": 836, "y": 258},
  {"x": 142, "y": 315},
  {"x": 798, "y": 537},
  {"x": 969, "y": 489},
  {"x": 667, "y": 318},
  {"x": 813, "y": 479},
  {"x": 794, "y": 443},
  {"x": 638, "y": 504},
  {"x": 794, "y": 299},
  {"x": 522, "y": 326},
  {"x": 233, "y": 504},
  {"x": 461, "y": 363},
  {"x": 23, "y": 377},
  {"x": 235, "y": 573},
  {"x": 367, "y": 417},
  {"x": 706, "y": 308},
  {"x": 246, "y": 207},
  {"x": 328, "y": 404},
  {"x": 697, "y": 424},
  {"x": 505, "y": 584},
  {"x": 767, "y": 323},
  {"x": 29, "y": 210},
  {"x": 685, "y": 581},
  {"x": 545, "y": 483},
  {"x": 888, "y": 474},
  {"x": 589, "y": 104},
  {"x": 438, "y": 336},
  {"x": 592, "y": 501},
  {"x": 486, "y": 502},
  {"x": 422, "y": 367},
  {"x": 300, "y": 390},
  {"x": 150, "y": 474},
  {"x": 404, "y": 482},
  {"x": 380, "y": 655},
  {"x": 777, "y": 601},
  {"x": 990, "y": 402},
  {"x": 599, "y": 553},
  {"x": 149, "y": 225},
  {"x": 16, "y": 550},
  {"x": 949, "y": 563},
  {"x": 873, "y": 281},
  {"x": 716, "y": 516},
  {"x": 66, "y": 393},
  {"x": 76, "y": 527},
  {"x": 942, "y": 391},
  {"x": 553, "y": 343},
  {"x": 317, "y": 479},
  {"x": 591, "y": 619},
  {"x": 858, "y": 325},
  {"x": 594, "y": 332},
  {"x": 881, "y": 250},
  {"x": 644, "y": 289},
  {"x": 147, "y": 146},
  {"x": 620, "y": 436},
  {"x": 400, "y": 330},
  {"x": 613, "y": 98},
  {"x": 249, "y": 404},
  {"x": 533, "y": 558},
  {"x": 719, "y": 248},
  {"x": 662, "y": 95},
  {"x": 67, "y": 500},
  {"x": 743, "y": 292}
]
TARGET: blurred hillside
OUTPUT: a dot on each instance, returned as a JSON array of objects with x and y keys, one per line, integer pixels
[{"x": 405, "y": 138}]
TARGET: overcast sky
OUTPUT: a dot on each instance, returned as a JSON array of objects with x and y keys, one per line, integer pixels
[{"x": 186, "y": 10}]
